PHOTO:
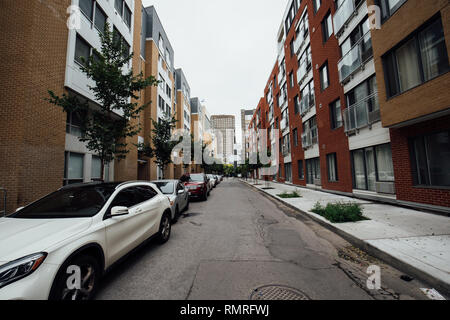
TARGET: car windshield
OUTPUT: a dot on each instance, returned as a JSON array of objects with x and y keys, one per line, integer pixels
[
  {"x": 76, "y": 202},
  {"x": 165, "y": 187},
  {"x": 196, "y": 178}
]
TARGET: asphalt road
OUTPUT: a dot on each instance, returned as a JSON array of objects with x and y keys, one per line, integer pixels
[{"x": 238, "y": 241}]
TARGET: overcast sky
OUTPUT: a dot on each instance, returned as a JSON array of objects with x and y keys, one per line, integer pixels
[{"x": 225, "y": 48}]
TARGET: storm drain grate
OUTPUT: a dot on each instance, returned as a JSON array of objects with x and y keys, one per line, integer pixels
[{"x": 277, "y": 292}]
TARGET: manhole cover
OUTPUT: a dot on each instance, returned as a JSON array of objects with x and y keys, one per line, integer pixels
[{"x": 277, "y": 292}]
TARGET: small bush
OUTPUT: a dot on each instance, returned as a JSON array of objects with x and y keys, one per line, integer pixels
[
  {"x": 340, "y": 212},
  {"x": 293, "y": 194}
]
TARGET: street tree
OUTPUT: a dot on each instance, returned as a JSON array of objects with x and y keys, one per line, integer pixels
[
  {"x": 162, "y": 143},
  {"x": 103, "y": 131}
]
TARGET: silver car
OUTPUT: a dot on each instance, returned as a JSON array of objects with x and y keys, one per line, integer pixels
[{"x": 178, "y": 196}]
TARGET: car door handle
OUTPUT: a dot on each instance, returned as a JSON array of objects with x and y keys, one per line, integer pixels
[{"x": 139, "y": 210}]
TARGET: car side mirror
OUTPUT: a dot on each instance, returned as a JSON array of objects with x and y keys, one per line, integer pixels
[
  {"x": 180, "y": 191},
  {"x": 119, "y": 211}
]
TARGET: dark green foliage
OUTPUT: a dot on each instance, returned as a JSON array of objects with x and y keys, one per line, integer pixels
[
  {"x": 162, "y": 143},
  {"x": 286, "y": 195},
  {"x": 340, "y": 212}
]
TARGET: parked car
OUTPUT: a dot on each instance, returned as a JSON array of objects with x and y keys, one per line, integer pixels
[
  {"x": 84, "y": 227},
  {"x": 178, "y": 196},
  {"x": 198, "y": 185},
  {"x": 212, "y": 180},
  {"x": 217, "y": 179}
]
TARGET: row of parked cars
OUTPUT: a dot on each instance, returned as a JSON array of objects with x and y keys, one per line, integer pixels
[{"x": 58, "y": 247}]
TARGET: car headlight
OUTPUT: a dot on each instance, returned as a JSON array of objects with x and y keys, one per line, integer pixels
[{"x": 20, "y": 268}]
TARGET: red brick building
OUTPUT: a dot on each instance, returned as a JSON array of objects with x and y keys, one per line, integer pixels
[{"x": 326, "y": 96}]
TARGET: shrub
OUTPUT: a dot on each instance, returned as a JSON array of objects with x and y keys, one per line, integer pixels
[
  {"x": 293, "y": 194},
  {"x": 340, "y": 212}
]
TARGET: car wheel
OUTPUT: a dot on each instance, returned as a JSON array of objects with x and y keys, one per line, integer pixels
[
  {"x": 89, "y": 279},
  {"x": 205, "y": 196},
  {"x": 177, "y": 215},
  {"x": 165, "y": 229}
]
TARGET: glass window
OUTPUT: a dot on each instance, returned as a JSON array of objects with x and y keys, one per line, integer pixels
[
  {"x": 127, "y": 16},
  {"x": 118, "y": 4},
  {"x": 100, "y": 19},
  {"x": 96, "y": 168},
  {"x": 332, "y": 167},
  {"x": 408, "y": 66},
  {"x": 82, "y": 50},
  {"x": 125, "y": 198},
  {"x": 301, "y": 175},
  {"x": 433, "y": 51},
  {"x": 327, "y": 27},
  {"x": 359, "y": 170},
  {"x": 73, "y": 168},
  {"x": 423, "y": 57},
  {"x": 431, "y": 159},
  {"x": 87, "y": 8},
  {"x": 384, "y": 163},
  {"x": 324, "y": 77},
  {"x": 335, "y": 114},
  {"x": 78, "y": 202},
  {"x": 295, "y": 134},
  {"x": 316, "y": 4}
]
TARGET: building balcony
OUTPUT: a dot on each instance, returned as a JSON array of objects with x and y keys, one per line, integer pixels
[
  {"x": 344, "y": 13},
  {"x": 306, "y": 103},
  {"x": 362, "y": 114},
  {"x": 310, "y": 138},
  {"x": 285, "y": 150},
  {"x": 284, "y": 124},
  {"x": 300, "y": 41},
  {"x": 356, "y": 58},
  {"x": 303, "y": 70}
]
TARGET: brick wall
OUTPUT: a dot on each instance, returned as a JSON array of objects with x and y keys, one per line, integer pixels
[
  {"x": 404, "y": 185},
  {"x": 430, "y": 97},
  {"x": 33, "y": 45}
]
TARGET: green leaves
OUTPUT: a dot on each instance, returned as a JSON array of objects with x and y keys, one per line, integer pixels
[
  {"x": 106, "y": 124},
  {"x": 162, "y": 143}
]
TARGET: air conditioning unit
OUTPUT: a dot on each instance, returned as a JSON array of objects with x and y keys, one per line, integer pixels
[{"x": 385, "y": 187}]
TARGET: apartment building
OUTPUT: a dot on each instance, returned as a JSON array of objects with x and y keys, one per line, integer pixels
[
  {"x": 246, "y": 117},
  {"x": 412, "y": 71},
  {"x": 335, "y": 126},
  {"x": 183, "y": 113},
  {"x": 39, "y": 148},
  {"x": 224, "y": 128},
  {"x": 157, "y": 60}
]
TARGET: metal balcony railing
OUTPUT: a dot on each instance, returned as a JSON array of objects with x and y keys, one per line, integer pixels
[
  {"x": 306, "y": 103},
  {"x": 362, "y": 114},
  {"x": 310, "y": 138},
  {"x": 356, "y": 57},
  {"x": 303, "y": 70},
  {"x": 343, "y": 14},
  {"x": 300, "y": 41}
]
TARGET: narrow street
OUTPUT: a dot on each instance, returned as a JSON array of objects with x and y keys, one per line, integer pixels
[{"x": 238, "y": 241}]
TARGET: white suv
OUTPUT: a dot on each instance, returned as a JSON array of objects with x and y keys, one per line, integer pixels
[{"x": 59, "y": 246}]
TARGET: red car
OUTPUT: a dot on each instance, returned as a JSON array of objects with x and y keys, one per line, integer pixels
[{"x": 197, "y": 185}]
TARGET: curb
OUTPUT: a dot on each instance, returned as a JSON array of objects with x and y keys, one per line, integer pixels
[{"x": 363, "y": 245}]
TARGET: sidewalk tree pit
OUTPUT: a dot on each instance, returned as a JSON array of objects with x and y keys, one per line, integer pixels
[{"x": 340, "y": 212}]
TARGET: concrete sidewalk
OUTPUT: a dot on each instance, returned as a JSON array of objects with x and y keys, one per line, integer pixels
[{"x": 413, "y": 241}]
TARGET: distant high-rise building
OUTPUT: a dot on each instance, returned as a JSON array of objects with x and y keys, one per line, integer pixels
[
  {"x": 246, "y": 118},
  {"x": 224, "y": 127}
]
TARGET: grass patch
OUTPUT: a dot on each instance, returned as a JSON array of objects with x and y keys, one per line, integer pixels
[
  {"x": 293, "y": 194},
  {"x": 340, "y": 212}
]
